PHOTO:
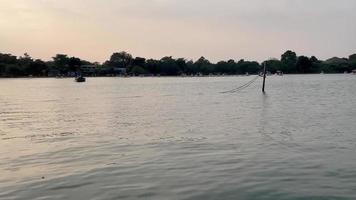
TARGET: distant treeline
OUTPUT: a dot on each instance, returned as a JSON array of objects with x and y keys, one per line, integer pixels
[{"x": 123, "y": 63}]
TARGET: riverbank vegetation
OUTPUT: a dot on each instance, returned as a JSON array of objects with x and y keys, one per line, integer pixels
[{"x": 123, "y": 63}]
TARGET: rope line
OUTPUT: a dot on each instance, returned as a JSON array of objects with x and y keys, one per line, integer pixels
[{"x": 242, "y": 86}]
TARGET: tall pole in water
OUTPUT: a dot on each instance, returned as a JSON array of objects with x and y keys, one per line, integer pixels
[{"x": 264, "y": 77}]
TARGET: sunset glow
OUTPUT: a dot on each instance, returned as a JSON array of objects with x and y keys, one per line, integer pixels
[{"x": 254, "y": 29}]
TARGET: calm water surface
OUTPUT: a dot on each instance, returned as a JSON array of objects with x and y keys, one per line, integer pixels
[{"x": 178, "y": 138}]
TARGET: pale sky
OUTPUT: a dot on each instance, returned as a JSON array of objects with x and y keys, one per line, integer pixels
[{"x": 216, "y": 29}]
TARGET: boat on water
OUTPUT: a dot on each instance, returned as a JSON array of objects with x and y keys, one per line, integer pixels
[
  {"x": 279, "y": 73},
  {"x": 80, "y": 79}
]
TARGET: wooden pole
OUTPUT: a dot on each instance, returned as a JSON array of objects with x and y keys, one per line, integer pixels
[{"x": 264, "y": 77}]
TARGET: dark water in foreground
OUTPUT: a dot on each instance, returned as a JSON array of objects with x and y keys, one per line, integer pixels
[{"x": 178, "y": 138}]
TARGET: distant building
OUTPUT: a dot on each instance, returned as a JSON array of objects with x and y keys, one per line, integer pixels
[
  {"x": 119, "y": 70},
  {"x": 88, "y": 69},
  {"x": 279, "y": 73},
  {"x": 53, "y": 73}
]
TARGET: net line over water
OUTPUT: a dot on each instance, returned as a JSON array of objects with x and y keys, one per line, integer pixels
[{"x": 242, "y": 86}]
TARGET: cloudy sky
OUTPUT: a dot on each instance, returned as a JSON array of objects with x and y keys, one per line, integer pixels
[{"x": 216, "y": 29}]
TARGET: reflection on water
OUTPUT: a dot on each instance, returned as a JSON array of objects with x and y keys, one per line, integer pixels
[{"x": 178, "y": 138}]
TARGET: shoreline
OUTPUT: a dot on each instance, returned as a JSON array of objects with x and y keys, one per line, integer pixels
[{"x": 195, "y": 76}]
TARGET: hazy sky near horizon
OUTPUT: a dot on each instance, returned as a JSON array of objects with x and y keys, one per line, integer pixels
[{"x": 216, "y": 29}]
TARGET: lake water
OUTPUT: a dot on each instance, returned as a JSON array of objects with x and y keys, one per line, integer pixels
[{"x": 178, "y": 138}]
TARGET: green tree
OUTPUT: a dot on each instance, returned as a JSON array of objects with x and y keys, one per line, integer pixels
[
  {"x": 14, "y": 70},
  {"x": 289, "y": 59},
  {"x": 274, "y": 65},
  {"x": 337, "y": 65},
  {"x": 25, "y": 60},
  {"x": 140, "y": 64},
  {"x": 228, "y": 67},
  {"x": 168, "y": 66},
  {"x": 152, "y": 66},
  {"x": 137, "y": 70},
  {"x": 37, "y": 68},
  {"x": 250, "y": 67},
  {"x": 120, "y": 60},
  {"x": 190, "y": 68},
  {"x": 74, "y": 64},
  {"x": 182, "y": 64},
  {"x": 7, "y": 59},
  {"x": 203, "y": 66},
  {"x": 138, "y": 61},
  {"x": 61, "y": 63},
  {"x": 317, "y": 65},
  {"x": 224, "y": 67},
  {"x": 2, "y": 69},
  {"x": 352, "y": 61},
  {"x": 304, "y": 65}
]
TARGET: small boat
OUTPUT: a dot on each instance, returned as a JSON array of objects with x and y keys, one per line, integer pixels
[
  {"x": 279, "y": 73},
  {"x": 79, "y": 79}
]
